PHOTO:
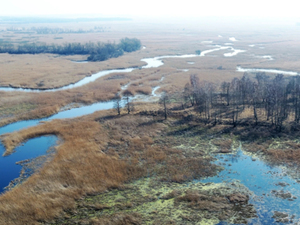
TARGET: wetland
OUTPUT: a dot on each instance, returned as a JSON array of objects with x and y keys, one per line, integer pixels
[{"x": 73, "y": 160}]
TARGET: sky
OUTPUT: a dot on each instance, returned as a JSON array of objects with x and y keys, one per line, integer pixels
[{"x": 152, "y": 8}]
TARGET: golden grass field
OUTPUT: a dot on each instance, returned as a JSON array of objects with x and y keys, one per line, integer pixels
[{"x": 86, "y": 162}]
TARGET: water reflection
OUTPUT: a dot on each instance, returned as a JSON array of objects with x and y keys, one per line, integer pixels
[
  {"x": 33, "y": 148},
  {"x": 264, "y": 180}
]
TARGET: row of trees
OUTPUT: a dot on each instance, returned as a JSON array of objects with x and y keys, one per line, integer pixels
[
  {"x": 57, "y": 30},
  {"x": 97, "y": 51},
  {"x": 273, "y": 100},
  {"x": 264, "y": 100}
]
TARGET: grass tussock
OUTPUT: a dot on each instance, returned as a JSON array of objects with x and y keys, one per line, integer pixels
[
  {"x": 145, "y": 90},
  {"x": 187, "y": 169},
  {"x": 224, "y": 145},
  {"x": 284, "y": 156},
  {"x": 204, "y": 202}
]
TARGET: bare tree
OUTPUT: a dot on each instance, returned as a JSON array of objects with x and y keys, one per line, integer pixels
[
  {"x": 117, "y": 104},
  {"x": 164, "y": 100},
  {"x": 254, "y": 89},
  {"x": 128, "y": 105},
  {"x": 188, "y": 94},
  {"x": 293, "y": 88},
  {"x": 225, "y": 88},
  {"x": 235, "y": 99}
]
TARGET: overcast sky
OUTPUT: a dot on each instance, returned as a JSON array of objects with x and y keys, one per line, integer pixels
[{"x": 155, "y": 8}]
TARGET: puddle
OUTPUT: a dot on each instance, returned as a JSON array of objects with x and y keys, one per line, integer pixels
[
  {"x": 265, "y": 57},
  {"x": 234, "y": 53},
  {"x": 264, "y": 181},
  {"x": 83, "y": 61}
]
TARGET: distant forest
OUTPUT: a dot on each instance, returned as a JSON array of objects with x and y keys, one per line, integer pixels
[
  {"x": 98, "y": 51},
  {"x": 23, "y": 20}
]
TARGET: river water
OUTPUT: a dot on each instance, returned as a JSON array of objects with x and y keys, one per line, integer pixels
[{"x": 260, "y": 178}]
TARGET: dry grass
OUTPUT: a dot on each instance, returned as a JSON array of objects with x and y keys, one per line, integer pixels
[
  {"x": 284, "y": 156},
  {"x": 50, "y": 71},
  {"x": 223, "y": 144},
  {"x": 99, "y": 152},
  {"x": 79, "y": 167}
]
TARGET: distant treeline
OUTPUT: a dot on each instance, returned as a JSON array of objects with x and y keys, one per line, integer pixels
[
  {"x": 47, "y": 30},
  {"x": 23, "y": 20},
  {"x": 265, "y": 100},
  {"x": 55, "y": 30},
  {"x": 98, "y": 51}
]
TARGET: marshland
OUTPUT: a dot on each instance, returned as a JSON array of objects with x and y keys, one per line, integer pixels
[{"x": 198, "y": 123}]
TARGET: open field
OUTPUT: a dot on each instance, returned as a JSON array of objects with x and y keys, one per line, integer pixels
[{"x": 120, "y": 168}]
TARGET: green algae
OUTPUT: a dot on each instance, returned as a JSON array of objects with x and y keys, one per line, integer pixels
[{"x": 161, "y": 203}]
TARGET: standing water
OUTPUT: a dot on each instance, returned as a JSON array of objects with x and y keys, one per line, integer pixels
[
  {"x": 33, "y": 148},
  {"x": 272, "y": 189}
]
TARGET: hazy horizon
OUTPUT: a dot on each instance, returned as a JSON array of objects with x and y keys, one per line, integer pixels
[{"x": 155, "y": 8}]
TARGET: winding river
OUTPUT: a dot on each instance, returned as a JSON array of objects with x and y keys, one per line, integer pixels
[{"x": 261, "y": 179}]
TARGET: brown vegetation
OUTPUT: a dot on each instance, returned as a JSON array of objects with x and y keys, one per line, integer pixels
[
  {"x": 95, "y": 156},
  {"x": 78, "y": 167},
  {"x": 223, "y": 145}
]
